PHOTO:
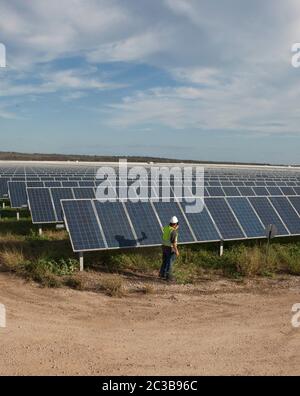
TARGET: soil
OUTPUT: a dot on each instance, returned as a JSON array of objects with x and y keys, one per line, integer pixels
[{"x": 217, "y": 327}]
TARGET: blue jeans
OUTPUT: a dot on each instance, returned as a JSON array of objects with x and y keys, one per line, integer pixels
[{"x": 168, "y": 258}]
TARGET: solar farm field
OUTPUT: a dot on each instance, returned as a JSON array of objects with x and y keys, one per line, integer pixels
[
  {"x": 238, "y": 205},
  {"x": 116, "y": 316}
]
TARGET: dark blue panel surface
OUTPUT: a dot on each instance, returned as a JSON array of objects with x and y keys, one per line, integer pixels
[
  {"x": 83, "y": 225},
  {"x": 247, "y": 217},
  {"x": 145, "y": 223},
  {"x": 202, "y": 224},
  {"x": 41, "y": 206},
  {"x": 115, "y": 224},
  {"x": 69, "y": 183},
  {"x": 296, "y": 203},
  {"x": 267, "y": 214},
  {"x": 52, "y": 184},
  {"x": 57, "y": 195},
  {"x": 231, "y": 191},
  {"x": 287, "y": 214},
  {"x": 224, "y": 219},
  {"x": 274, "y": 190},
  {"x": 3, "y": 187},
  {"x": 215, "y": 191},
  {"x": 246, "y": 191},
  {"x": 17, "y": 194},
  {"x": 288, "y": 190},
  {"x": 84, "y": 193},
  {"x": 261, "y": 191}
]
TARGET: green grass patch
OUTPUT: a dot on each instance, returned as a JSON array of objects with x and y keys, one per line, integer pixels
[{"x": 49, "y": 260}]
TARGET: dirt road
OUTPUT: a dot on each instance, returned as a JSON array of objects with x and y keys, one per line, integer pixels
[{"x": 58, "y": 332}]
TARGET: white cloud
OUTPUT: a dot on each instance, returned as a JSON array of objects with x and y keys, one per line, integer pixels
[
  {"x": 230, "y": 60},
  {"x": 223, "y": 106},
  {"x": 197, "y": 75},
  {"x": 49, "y": 81},
  {"x": 134, "y": 48}
]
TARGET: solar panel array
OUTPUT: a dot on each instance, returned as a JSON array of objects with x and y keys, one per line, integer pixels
[{"x": 237, "y": 204}]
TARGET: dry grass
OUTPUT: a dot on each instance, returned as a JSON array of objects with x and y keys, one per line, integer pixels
[
  {"x": 12, "y": 260},
  {"x": 75, "y": 282},
  {"x": 54, "y": 235},
  {"x": 112, "y": 286},
  {"x": 250, "y": 262}
]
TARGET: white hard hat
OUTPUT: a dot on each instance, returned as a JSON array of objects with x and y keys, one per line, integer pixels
[{"x": 174, "y": 220}]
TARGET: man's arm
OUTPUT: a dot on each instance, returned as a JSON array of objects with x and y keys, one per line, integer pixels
[{"x": 174, "y": 243}]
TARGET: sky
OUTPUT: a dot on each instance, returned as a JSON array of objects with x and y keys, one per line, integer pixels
[{"x": 189, "y": 79}]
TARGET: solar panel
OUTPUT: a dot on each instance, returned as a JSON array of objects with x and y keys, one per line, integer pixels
[
  {"x": 202, "y": 224},
  {"x": 231, "y": 191},
  {"x": 87, "y": 183},
  {"x": 84, "y": 193},
  {"x": 34, "y": 184},
  {"x": 224, "y": 218},
  {"x": 115, "y": 224},
  {"x": 260, "y": 191},
  {"x": 69, "y": 183},
  {"x": 247, "y": 217},
  {"x": 267, "y": 214},
  {"x": 226, "y": 183},
  {"x": 215, "y": 191},
  {"x": 3, "y": 187},
  {"x": 17, "y": 194},
  {"x": 297, "y": 190},
  {"x": 83, "y": 225},
  {"x": 59, "y": 194},
  {"x": 275, "y": 191},
  {"x": 287, "y": 213},
  {"x": 295, "y": 201},
  {"x": 166, "y": 210},
  {"x": 145, "y": 223},
  {"x": 288, "y": 190},
  {"x": 41, "y": 206},
  {"x": 246, "y": 191},
  {"x": 52, "y": 184}
]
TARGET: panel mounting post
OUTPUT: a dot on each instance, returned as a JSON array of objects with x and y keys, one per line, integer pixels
[
  {"x": 81, "y": 262},
  {"x": 3, "y": 205},
  {"x": 40, "y": 231},
  {"x": 221, "y": 248},
  {"x": 18, "y": 216}
]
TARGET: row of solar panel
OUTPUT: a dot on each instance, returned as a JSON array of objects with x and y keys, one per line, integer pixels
[
  {"x": 45, "y": 203},
  {"x": 19, "y": 199},
  {"x": 66, "y": 176},
  {"x": 95, "y": 225},
  {"x": 18, "y": 195},
  {"x": 262, "y": 181}
]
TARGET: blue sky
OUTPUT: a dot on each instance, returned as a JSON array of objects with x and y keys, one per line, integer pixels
[{"x": 190, "y": 79}]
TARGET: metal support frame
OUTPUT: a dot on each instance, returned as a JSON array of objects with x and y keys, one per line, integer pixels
[
  {"x": 81, "y": 262},
  {"x": 221, "y": 248}
]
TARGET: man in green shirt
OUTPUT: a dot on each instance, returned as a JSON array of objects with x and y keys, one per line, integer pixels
[{"x": 169, "y": 248}]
